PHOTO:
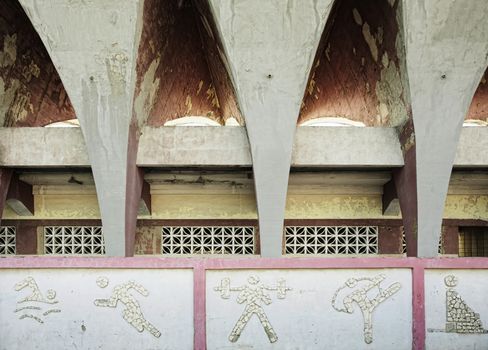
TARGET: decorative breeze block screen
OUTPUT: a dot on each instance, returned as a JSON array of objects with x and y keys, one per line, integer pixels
[
  {"x": 7, "y": 240},
  {"x": 331, "y": 240},
  {"x": 73, "y": 240},
  {"x": 185, "y": 240}
]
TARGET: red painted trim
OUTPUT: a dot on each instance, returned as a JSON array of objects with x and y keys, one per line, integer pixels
[
  {"x": 199, "y": 308},
  {"x": 418, "y": 308}
]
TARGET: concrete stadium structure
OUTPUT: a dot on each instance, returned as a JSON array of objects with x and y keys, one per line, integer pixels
[{"x": 250, "y": 174}]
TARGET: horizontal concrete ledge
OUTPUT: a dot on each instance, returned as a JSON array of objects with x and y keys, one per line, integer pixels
[
  {"x": 42, "y": 147},
  {"x": 228, "y": 146},
  {"x": 192, "y": 145},
  {"x": 472, "y": 149},
  {"x": 346, "y": 147}
]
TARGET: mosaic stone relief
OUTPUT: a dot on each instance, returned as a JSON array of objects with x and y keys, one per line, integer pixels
[
  {"x": 253, "y": 294},
  {"x": 32, "y": 305},
  {"x": 460, "y": 318},
  {"x": 367, "y": 294},
  {"x": 132, "y": 313}
]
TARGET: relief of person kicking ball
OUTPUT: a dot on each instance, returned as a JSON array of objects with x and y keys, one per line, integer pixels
[{"x": 132, "y": 313}]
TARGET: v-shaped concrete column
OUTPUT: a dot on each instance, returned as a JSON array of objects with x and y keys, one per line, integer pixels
[
  {"x": 94, "y": 44},
  {"x": 446, "y": 53},
  {"x": 270, "y": 46}
]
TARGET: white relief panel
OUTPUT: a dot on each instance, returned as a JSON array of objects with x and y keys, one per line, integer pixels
[
  {"x": 292, "y": 309},
  {"x": 96, "y": 309},
  {"x": 456, "y": 312}
]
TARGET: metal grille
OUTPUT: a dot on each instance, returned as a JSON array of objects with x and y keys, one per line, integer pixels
[
  {"x": 73, "y": 240},
  {"x": 473, "y": 241},
  {"x": 184, "y": 240},
  {"x": 331, "y": 240},
  {"x": 7, "y": 240}
]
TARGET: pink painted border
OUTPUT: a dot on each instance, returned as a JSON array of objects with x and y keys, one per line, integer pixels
[
  {"x": 33, "y": 262},
  {"x": 201, "y": 265}
]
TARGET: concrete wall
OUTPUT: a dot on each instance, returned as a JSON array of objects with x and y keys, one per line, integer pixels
[
  {"x": 303, "y": 317},
  {"x": 228, "y": 146},
  {"x": 308, "y": 303},
  {"x": 471, "y": 287},
  {"x": 164, "y": 297}
]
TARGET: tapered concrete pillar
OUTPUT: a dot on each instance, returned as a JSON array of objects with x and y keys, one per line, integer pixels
[
  {"x": 95, "y": 54},
  {"x": 269, "y": 48},
  {"x": 446, "y": 55}
]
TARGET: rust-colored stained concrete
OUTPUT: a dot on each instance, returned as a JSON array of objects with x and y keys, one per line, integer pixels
[
  {"x": 31, "y": 92},
  {"x": 357, "y": 72},
  {"x": 479, "y": 106},
  {"x": 171, "y": 51}
]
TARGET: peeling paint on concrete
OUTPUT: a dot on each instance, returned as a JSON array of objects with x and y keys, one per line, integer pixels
[
  {"x": 389, "y": 90},
  {"x": 144, "y": 101},
  {"x": 357, "y": 16},
  {"x": 371, "y": 41},
  {"x": 212, "y": 96},
  {"x": 9, "y": 53}
]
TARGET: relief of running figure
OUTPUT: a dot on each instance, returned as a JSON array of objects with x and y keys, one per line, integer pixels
[
  {"x": 132, "y": 313},
  {"x": 253, "y": 294}
]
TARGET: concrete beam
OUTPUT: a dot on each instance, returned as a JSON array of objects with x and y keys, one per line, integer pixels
[
  {"x": 5, "y": 177},
  {"x": 95, "y": 55},
  {"x": 20, "y": 197},
  {"x": 228, "y": 146},
  {"x": 269, "y": 54},
  {"x": 346, "y": 147},
  {"x": 193, "y": 146},
  {"x": 446, "y": 55},
  {"x": 391, "y": 204},
  {"x": 43, "y": 147}
]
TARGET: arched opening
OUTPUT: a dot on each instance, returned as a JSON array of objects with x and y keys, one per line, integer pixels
[
  {"x": 358, "y": 72},
  {"x": 181, "y": 67},
  {"x": 31, "y": 91},
  {"x": 478, "y": 110}
]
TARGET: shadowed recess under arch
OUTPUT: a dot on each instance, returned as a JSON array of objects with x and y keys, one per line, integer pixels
[
  {"x": 180, "y": 66},
  {"x": 478, "y": 110},
  {"x": 358, "y": 72},
  {"x": 31, "y": 91}
]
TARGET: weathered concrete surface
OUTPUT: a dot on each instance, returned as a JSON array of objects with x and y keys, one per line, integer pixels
[
  {"x": 358, "y": 72},
  {"x": 194, "y": 146},
  {"x": 99, "y": 76},
  {"x": 228, "y": 146},
  {"x": 31, "y": 92},
  {"x": 346, "y": 147},
  {"x": 270, "y": 53},
  {"x": 472, "y": 148},
  {"x": 43, "y": 147},
  {"x": 446, "y": 51}
]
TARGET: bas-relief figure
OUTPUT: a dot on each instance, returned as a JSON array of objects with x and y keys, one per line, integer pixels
[
  {"x": 460, "y": 318},
  {"x": 132, "y": 313},
  {"x": 253, "y": 294},
  {"x": 31, "y": 306},
  {"x": 367, "y": 294}
]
